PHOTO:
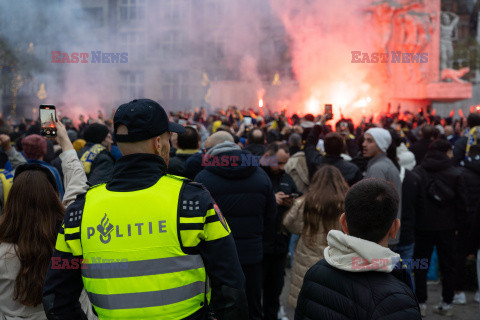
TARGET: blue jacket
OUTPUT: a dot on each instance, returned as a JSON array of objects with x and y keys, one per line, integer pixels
[
  {"x": 58, "y": 179},
  {"x": 245, "y": 196}
]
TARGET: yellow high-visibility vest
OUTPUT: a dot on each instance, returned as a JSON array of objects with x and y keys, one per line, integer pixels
[{"x": 134, "y": 267}]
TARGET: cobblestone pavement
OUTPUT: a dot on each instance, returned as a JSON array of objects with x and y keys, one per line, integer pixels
[{"x": 470, "y": 311}]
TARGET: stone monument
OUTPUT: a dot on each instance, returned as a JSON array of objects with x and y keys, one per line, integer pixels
[{"x": 415, "y": 30}]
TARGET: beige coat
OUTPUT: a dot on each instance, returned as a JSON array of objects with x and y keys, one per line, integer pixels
[
  {"x": 297, "y": 168},
  {"x": 75, "y": 182},
  {"x": 305, "y": 257}
]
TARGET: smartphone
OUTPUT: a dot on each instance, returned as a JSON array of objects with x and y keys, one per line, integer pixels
[
  {"x": 247, "y": 121},
  {"x": 293, "y": 195},
  {"x": 48, "y": 117},
  {"x": 329, "y": 111}
]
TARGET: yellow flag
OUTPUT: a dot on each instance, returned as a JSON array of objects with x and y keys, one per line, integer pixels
[
  {"x": 276, "y": 80},
  {"x": 205, "y": 81}
]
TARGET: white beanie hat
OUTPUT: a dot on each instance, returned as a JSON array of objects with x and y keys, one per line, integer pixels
[{"x": 382, "y": 138}]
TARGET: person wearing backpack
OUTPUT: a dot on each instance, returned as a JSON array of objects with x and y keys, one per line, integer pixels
[{"x": 445, "y": 213}]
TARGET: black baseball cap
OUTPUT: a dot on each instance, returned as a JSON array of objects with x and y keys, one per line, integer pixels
[{"x": 144, "y": 119}]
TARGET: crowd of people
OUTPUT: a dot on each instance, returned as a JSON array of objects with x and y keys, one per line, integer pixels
[{"x": 352, "y": 209}]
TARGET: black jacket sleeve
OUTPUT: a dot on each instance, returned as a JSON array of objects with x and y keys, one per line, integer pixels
[
  {"x": 218, "y": 251},
  {"x": 63, "y": 284}
]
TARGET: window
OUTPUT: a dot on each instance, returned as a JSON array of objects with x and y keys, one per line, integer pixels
[
  {"x": 131, "y": 85},
  {"x": 172, "y": 44},
  {"x": 134, "y": 43},
  {"x": 175, "y": 85},
  {"x": 172, "y": 10},
  {"x": 214, "y": 9},
  {"x": 95, "y": 15},
  {"x": 132, "y": 10}
]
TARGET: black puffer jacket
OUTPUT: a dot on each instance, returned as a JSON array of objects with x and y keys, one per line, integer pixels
[
  {"x": 349, "y": 171},
  {"x": 471, "y": 176},
  {"x": 441, "y": 181},
  {"x": 177, "y": 164},
  {"x": 331, "y": 293},
  {"x": 245, "y": 196},
  {"x": 413, "y": 205}
]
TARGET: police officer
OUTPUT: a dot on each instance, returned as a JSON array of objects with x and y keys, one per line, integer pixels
[{"x": 147, "y": 245}]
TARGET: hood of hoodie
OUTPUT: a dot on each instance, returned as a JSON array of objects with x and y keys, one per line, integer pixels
[
  {"x": 406, "y": 158},
  {"x": 353, "y": 254},
  {"x": 436, "y": 161},
  {"x": 242, "y": 168}
]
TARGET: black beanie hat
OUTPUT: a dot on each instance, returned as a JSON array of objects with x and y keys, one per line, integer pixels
[{"x": 95, "y": 133}]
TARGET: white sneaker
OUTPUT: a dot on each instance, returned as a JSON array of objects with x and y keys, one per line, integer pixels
[
  {"x": 477, "y": 297},
  {"x": 281, "y": 314},
  {"x": 444, "y": 309},
  {"x": 459, "y": 298},
  {"x": 423, "y": 309}
]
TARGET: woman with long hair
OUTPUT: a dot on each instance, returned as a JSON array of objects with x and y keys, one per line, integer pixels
[
  {"x": 32, "y": 217},
  {"x": 312, "y": 217}
]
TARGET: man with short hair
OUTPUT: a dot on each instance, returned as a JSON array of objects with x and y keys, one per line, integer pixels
[
  {"x": 420, "y": 148},
  {"x": 275, "y": 251},
  {"x": 256, "y": 142},
  {"x": 360, "y": 277},
  {"x": 375, "y": 145},
  {"x": 334, "y": 145},
  {"x": 294, "y": 143},
  {"x": 95, "y": 156},
  {"x": 244, "y": 193},
  {"x": 150, "y": 245},
  {"x": 188, "y": 144}
]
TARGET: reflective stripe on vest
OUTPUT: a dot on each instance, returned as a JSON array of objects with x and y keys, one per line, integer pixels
[
  {"x": 134, "y": 266},
  {"x": 7, "y": 180},
  {"x": 90, "y": 155}
]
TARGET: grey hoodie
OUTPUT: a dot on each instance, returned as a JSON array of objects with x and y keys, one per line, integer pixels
[{"x": 381, "y": 167}]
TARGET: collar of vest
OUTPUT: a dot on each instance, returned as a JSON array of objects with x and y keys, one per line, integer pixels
[{"x": 136, "y": 172}]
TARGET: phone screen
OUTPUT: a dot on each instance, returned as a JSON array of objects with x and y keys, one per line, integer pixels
[
  {"x": 247, "y": 121},
  {"x": 48, "y": 117},
  {"x": 329, "y": 111}
]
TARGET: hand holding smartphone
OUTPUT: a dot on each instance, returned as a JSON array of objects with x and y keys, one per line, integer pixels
[
  {"x": 48, "y": 118},
  {"x": 329, "y": 111}
]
